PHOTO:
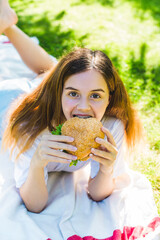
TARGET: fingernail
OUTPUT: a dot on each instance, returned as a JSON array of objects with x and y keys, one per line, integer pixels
[
  {"x": 74, "y": 157},
  {"x": 98, "y": 139},
  {"x": 71, "y": 139},
  {"x": 91, "y": 155},
  {"x": 74, "y": 149}
]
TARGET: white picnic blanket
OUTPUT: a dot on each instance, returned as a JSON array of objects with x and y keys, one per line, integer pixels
[{"x": 68, "y": 212}]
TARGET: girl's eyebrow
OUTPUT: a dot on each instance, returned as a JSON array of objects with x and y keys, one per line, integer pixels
[
  {"x": 98, "y": 90},
  {"x": 94, "y": 90},
  {"x": 71, "y": 88}
]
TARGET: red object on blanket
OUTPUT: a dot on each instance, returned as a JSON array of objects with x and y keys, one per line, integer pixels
[{"x": 129, "y": 233}]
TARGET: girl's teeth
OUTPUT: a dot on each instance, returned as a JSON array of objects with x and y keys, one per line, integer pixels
[{"x": 81, "y": 116}]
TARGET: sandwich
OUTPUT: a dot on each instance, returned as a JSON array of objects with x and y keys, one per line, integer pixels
[{"x": 84, "y": 131}]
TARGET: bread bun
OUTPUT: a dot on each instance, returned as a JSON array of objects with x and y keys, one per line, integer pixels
[{"x": 84, "y": 132}]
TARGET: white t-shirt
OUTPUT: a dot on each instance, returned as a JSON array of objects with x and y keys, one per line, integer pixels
[{"x": 115, "y": 126}]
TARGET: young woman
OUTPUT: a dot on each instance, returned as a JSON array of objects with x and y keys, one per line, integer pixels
[{"x": 85, "y": 84}]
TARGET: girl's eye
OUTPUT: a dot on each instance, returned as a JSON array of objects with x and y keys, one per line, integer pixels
[
  {"x": 95, "y": 95},
  {"x": 73, "y": 94}
]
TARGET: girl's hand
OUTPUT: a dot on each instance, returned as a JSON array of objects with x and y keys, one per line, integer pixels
[
  {"x": 50, "y": 149},
  {"x": 107, "y": 152}
]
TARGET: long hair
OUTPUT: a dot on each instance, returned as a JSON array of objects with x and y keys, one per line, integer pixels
[{"x": 42, "y": 107}]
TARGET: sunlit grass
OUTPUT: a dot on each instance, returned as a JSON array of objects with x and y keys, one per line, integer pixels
[
  {"x": 148, "y": 163},
  {"x": 126, "y": 30}
]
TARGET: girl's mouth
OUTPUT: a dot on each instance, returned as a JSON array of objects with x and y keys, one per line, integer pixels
[{"x": 82, "y": 116}]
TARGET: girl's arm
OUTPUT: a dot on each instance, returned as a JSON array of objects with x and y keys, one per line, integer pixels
[
  {"x": 103, "y": 185},
  {"x": 34, "y": 191},
  {"x": 35, "y": 57}
]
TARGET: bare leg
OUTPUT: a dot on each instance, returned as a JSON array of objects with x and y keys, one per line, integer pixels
[{"x": 32, "y": 54}]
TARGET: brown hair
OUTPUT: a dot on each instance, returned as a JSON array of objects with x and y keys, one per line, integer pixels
[{"x": 37, "y": 110}]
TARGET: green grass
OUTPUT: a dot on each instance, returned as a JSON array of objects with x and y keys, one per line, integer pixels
[
  {"x": 148, "y": 163},
  {"x": 126, "y": 30}
]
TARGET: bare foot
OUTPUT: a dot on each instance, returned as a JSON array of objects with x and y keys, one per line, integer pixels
[{"x": 8, "y": 16}]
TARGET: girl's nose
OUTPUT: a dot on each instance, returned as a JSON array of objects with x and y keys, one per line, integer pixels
[{"x": 83, "y": 105}]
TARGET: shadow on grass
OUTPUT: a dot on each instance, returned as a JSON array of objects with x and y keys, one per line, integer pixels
[
  {"x": 145, "y": 80},
  {"x": 152, "y": 6},
  {"x": 92, "y": 2},
  {"x": 53, "y": 38},
  {"x": 60, "y": 15},
  {"x": 140, "y": 80},
  {"x": 138, "y": 66}
]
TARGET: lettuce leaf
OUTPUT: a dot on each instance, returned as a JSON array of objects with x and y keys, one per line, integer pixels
[
  {"x": 58, "y": 130},
  {"x": 73, "y": 162}
]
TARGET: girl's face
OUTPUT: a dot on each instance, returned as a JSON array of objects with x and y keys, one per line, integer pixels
[{"x": 85, "y": 95}]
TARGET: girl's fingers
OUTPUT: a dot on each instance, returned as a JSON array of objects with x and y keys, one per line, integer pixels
[
  {"x": 104, "y": 155},
  {"x": 107, "y": 145},
  {"x": 51, "y": 148},
  {"x": 103, "y": 161},
  {"x": 58, "y": 145},
  {"x": 57, "y": 138},
  {"x": 109, "y": 136},
  {"x": 58, "y": 153}
]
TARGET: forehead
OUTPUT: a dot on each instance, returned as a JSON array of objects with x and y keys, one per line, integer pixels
[{"x": 90, "y": 79}]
